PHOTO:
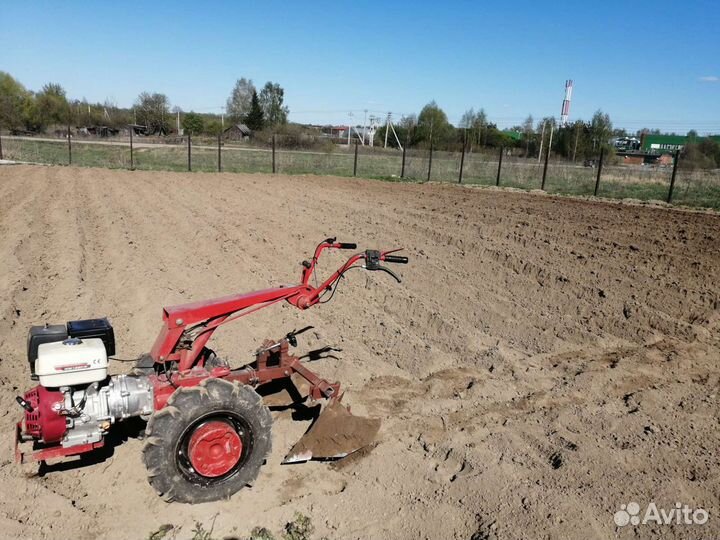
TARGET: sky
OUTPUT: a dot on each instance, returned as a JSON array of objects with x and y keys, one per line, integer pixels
[{"x": 647, "y": 64}]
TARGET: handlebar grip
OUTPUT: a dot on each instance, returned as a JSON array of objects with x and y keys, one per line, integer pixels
[
  {"x": 347, "y": 245},
  {"x": 395, "y": 259}
]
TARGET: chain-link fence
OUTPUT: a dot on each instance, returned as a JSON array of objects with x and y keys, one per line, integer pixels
[{"x": 284, "y": 154}]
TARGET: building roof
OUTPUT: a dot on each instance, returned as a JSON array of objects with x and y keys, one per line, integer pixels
[
  {"x": 242, "y": 128},
  {"x": 670, "y": 142}
]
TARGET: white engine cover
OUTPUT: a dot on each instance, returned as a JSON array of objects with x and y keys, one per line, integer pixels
[{"x": 70, "y": 362}]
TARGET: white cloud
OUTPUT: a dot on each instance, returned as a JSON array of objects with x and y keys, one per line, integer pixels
[{"x": 710, "y": 78}]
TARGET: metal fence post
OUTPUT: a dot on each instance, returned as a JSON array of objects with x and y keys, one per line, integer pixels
[
  {"x": 273, "y": 152},
  {"x": 132, "y": 162},
  {"x": 462, "y": 156},
  {"x": 219, "y": 152},
  {"x": 597, "y": 181},
  {"x": 430, "y": 160},
  {"x": 502, "y": 151},
  {"x": 672, "y": 178},
  {"x": 189, "y": 153},
  {"x": 1, "y": 153},
  {"x": 402, "y": 168},
  {"x": 355, "y": 164},
  {"x": 547, "y": 157},
  {"x": 69, "y": 146}
]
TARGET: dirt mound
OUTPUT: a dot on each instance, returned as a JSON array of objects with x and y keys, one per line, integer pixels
[{"x": 544, "y": 361}]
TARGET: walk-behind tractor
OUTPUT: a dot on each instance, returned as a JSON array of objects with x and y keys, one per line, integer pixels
[{"x": 208, "y": 428}]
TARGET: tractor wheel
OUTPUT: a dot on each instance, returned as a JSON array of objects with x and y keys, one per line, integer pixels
[{"x": 208, "y": 442}]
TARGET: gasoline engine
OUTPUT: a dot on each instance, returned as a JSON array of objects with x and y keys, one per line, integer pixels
[{"x": 76, "y": 402}]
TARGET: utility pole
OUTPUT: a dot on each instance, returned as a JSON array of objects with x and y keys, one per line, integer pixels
[
  {"x": 178, "y": 121},
  {"x": 672, "y": 178},
  {"x": 542, "y": 139},
  {"x": 387, "y": 128},
  {"x": 350, "y": 115},
  {"x": 69, "y": 145},
  {"x": 552, "y": 126},
  {"x": 577, "y": 135},
  {"x": 132, "y": 163},
  {"x": 365, "y": 127}
]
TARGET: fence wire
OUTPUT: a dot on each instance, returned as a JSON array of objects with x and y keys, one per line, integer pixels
[{"x": 699, "y": 188}]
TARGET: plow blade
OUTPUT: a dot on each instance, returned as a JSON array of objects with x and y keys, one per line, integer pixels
[{"x": 335, "y": 434}]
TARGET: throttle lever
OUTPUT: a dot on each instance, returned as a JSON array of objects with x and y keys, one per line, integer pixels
[
  {"x": 393, "y": 274},
  {"x": 372, "y": 262}
]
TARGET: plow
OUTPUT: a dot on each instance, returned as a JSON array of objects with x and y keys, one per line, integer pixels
[{"x": 208, "y": 429}]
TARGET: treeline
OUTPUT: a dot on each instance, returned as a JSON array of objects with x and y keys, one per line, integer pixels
[
  {"x": 432, "y": 125},
  {"x": 700, "y": 153},
  {"x": 24, "y": 110},
  {"x": 579, "y": 140},
  {"x": 265, "y": 112}
]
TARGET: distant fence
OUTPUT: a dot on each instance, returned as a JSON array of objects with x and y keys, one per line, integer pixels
[{"x": 490, "y": 167}]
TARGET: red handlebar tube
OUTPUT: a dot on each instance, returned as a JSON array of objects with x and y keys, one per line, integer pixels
[{"x": 187, "y": 328}]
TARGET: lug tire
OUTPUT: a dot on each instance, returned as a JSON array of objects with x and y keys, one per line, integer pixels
[{"x": 169, "y": 427}]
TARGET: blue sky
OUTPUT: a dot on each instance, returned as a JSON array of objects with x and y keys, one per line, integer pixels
[{"x": 654, "y": 64}]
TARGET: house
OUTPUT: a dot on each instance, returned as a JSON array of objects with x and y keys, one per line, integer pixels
[
  {"x": 339, "y": 132},
  {"x": 100, "y": 131},
  {"x": 237, "y": 132}
]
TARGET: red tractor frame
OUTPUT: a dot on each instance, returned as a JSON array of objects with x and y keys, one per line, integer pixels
[{"x": 181, "y": 373}]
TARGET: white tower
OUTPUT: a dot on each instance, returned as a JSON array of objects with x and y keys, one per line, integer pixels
[{"x": 565, "y": 112}]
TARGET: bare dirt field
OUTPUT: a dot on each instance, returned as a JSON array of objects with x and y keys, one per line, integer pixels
[{"x": 544, "y": 361}]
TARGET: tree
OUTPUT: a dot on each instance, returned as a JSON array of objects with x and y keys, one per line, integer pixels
[
  {"x": 213, "y": 127},
  {"x": 476, "y": 123},
  {"x": 480, "y": 127},
  {"x": 401, "y": 130},
  {"x": 52, "y": 105},
  {"x": 255, "y": 118},
  {"x": 601, "y": 129},
  {"x": 468, "y": 119},
  {"x": 238, "y": 104},
  {"x": 528, "y": 132},
  {"x": 13, "y": 101},
  {"x": 153, "y": 110},
  {"x": 495, "y": 138},
  {"x": 87, "y": 114},
  {"x": 433, "y": 123},
  {"x": 271, "y": 102},
  {"x": 193, "y": 123},
  {"x": 647, "y": 131}
]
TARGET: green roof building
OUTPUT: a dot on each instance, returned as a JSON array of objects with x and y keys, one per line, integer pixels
[{"x": 663, "y": 144}]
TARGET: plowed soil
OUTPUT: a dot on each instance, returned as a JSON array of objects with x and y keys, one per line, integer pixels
[{"x": 544, "y": 361}]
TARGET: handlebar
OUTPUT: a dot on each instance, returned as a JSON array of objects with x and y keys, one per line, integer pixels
[{"x": 370, "y": 259}]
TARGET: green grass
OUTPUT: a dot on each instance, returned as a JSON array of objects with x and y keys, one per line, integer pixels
[{"x": 695, "y": 189}]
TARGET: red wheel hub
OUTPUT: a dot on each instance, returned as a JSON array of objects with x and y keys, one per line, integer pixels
[{"x": 215, "y": 448}]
